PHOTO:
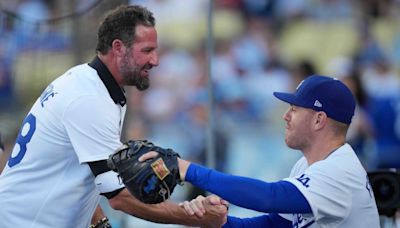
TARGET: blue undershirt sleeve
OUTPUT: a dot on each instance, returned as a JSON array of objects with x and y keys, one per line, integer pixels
[
  {"x": 263, "y": 221},
  {"x": 276, "y": 197}
]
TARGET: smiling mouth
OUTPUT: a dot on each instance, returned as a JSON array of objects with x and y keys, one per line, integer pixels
[
  {"x": 147, "y": 68},
  {"x": 145, "y": 72}
]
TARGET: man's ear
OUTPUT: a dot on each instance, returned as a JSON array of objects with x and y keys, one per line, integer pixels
[
  {"x": 118, "y": 47},
  {"x": 320, "y": 120}
]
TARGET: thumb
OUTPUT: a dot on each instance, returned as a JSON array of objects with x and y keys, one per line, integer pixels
[
  {"x": 214, "y": 200},
  {"x": 147, "y": 156}
]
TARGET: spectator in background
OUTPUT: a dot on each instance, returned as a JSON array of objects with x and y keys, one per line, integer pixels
[
  {"x": 382, "y": 86},
  {"x": 369, "y": 50},
  {"x": 361, "y": 129},
  {"x": 8, "y": 52},
  {"x": 33, "y": 29},
  {"x": 6, "y": 89},
  {"x": 31, "y": 13},
  {"x": 379, "y": 79},
  {"x": 385, "y": 115},
  {"x": 301, "y": 70},
  {"x": 194, "y": 122}
]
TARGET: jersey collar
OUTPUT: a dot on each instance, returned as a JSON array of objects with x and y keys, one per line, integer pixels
[{"x": 115, "y": 91}]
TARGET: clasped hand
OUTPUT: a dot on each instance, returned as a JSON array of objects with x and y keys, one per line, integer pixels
[{"x": 211, "y": 205}]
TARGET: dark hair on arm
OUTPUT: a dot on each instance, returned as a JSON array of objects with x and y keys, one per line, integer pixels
[{"x": 121, "y": 23}]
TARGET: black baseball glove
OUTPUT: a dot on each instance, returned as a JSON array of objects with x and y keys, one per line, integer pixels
[{"x": 151, "y": 181}]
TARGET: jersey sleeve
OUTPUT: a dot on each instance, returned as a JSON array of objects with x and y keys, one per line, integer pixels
[
  {"x": 327, "y": 190},
  {"x": 263, "y": 221},
  {"x": 254, "y": 194},
  {"x": 92, "y": 124}
]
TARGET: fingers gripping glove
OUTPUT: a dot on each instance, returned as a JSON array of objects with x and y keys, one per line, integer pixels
[{"x": 151, "y": 181}]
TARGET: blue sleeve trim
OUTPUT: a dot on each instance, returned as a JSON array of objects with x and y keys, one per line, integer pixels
[
  {"x": 278, "y": 197},
  {"x": 264, "y": 221}
]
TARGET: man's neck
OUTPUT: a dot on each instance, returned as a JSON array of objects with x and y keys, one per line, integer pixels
[
  {"x": 109, "y": 61},
  {"x": 321, "y": 149}
]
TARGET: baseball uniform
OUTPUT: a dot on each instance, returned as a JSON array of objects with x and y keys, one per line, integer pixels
[
  {"x": 334, "y": 192},
  {"x": 77, "y": 119},
  {"x": 338, "y": 191}
]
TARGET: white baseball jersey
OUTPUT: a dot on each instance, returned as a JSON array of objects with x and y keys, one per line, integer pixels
[
  {"x": 46, "y": 182},
  {"x": 338, "y": 191}
]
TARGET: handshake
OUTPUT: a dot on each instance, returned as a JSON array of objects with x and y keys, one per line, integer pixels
[{"x": 150, "y": 173}]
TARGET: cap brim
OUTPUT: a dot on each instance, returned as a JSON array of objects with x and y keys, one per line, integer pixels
[{"x": 286, "y": 97}]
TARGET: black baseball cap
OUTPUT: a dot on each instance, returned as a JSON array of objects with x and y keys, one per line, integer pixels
[{"x": 322, "y": 93}]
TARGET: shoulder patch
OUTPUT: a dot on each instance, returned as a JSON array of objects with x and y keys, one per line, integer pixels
[{"x": 304, "y": 179}]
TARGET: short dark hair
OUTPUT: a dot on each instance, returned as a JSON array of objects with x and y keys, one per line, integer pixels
[
  {"x": 121, "y": 23},
  {"x": 339, "y": 128}
]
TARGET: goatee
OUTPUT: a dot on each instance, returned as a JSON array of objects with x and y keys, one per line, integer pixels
[{"x": 142, "y": 83}]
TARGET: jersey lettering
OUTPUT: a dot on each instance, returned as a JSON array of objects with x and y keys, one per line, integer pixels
[
  {"x": 300, "y": 222},
  {"x": 304, "y": 180},
  {"x": 24, "y": 137},
  {"x": 47, "y": 93}
]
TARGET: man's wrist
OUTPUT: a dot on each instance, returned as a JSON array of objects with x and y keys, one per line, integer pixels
[
  {"x": 183, "y": 167},
  {"x": 102, "y": 223}
]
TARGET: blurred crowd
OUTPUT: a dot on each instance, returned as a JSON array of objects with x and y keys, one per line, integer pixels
[{"x": 260, "y": 46}]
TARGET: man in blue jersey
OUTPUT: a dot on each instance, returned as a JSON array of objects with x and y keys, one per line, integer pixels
[{"x": 327, "y": 187}]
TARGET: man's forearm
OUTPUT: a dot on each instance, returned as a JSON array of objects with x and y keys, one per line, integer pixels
[
  {"x": 183, "y": 167},
  {"x": 254, "y": 194},
  {"x": 167, "y": 212},
  {"x": 97, "y": 215}
]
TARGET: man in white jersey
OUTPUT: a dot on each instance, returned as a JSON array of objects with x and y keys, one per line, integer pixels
[
  {"x": 327, "y": 187},
  {"x": 57, "y": 170}
]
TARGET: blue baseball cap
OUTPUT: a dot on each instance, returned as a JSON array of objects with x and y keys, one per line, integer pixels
[{"x": 322, "y": 93}]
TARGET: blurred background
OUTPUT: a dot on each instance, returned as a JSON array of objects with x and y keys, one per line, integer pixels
[{"x": 260, "y": 46}]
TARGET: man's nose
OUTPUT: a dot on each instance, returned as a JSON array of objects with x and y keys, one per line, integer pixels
[
  {"x": 154, "y": 60},
  {"x": 286, "y": 115}
]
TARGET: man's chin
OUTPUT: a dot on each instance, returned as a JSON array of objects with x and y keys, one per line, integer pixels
[
  {"x": 140, "y": 83},
  {"x": 142, "y": 87}
]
